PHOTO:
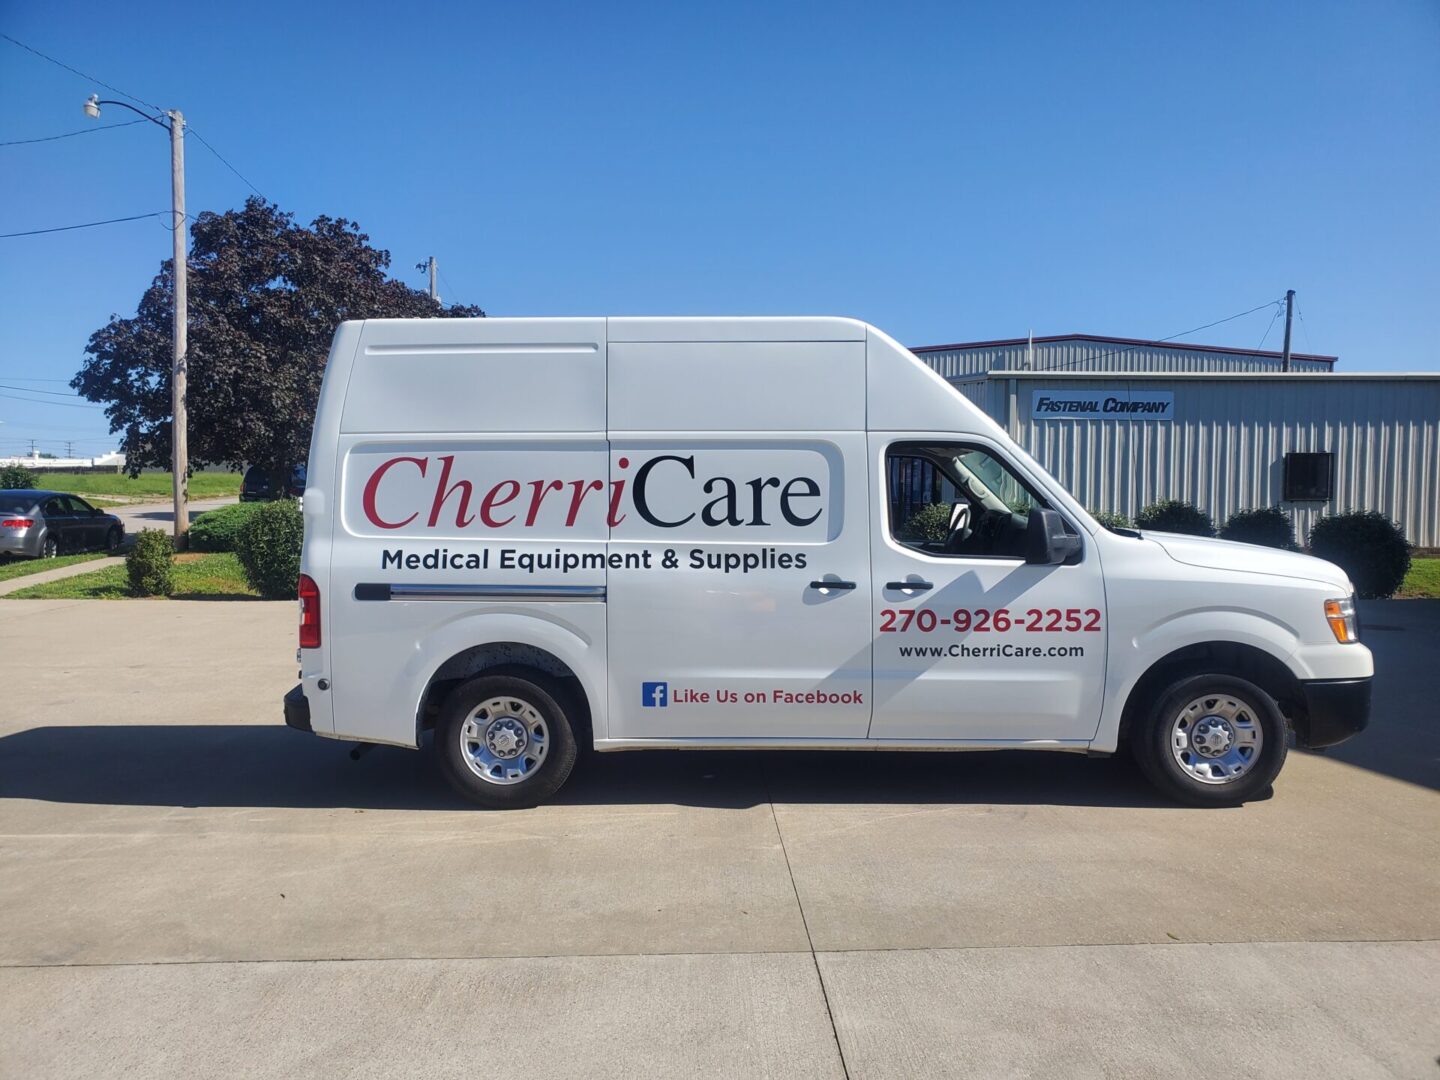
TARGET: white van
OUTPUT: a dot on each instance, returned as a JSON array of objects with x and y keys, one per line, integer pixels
[{"x": 634, "y": 533}]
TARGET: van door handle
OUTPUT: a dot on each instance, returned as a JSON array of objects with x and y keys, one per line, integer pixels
[
  {"x": 913, "y": 586},
  {"x": 840, "y": 586}
]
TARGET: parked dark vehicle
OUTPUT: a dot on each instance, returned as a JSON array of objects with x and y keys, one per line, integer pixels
[
  {"x": 261, "y": 484},
  {"x": 43, "y": 524}
]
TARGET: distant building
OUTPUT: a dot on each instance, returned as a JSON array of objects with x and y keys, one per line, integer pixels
[
  {"x": 114, "y": 460},
  {"x": 1122, "y": 422}
]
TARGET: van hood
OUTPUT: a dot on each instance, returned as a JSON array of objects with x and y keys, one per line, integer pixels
[{"x": 1250, "y": 559}]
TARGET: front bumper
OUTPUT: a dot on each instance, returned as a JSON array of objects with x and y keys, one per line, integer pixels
[
  {"x": 1332, "y": 710},
  {"x": 297, "y": 710}
]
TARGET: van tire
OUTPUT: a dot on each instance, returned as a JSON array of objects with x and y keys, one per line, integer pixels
[
  {"x": 528, "y": 705},
  {"x": 1227, "y": 710}
]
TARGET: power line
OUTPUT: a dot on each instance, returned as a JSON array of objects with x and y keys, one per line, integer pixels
[
  {"x": 59, "y": 438},
  {"x": 77, "y": 71},
  {"x": 1303, "y": 328},
  {"x": 149, "y": 104},
  {"x": 57, "y": 404},
  {"x": 204, "y": 142},
  {"x": 1172, "y": 337},
  {"x": 455, "y": 298},
  {"x": 86, "y": 225},
  {"x": 72, "y": 134},
  {"x": 1268, "y": 327},
  {"x": 28, "y": 390}
]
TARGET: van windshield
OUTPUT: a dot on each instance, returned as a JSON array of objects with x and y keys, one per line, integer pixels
[{"x": 991, "y": 483}]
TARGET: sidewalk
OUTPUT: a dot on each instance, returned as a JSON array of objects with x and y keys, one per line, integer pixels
[{"x": 59, "y": 573}]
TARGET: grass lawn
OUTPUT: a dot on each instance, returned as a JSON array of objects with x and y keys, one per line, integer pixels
[
  {"x": 13, "y": 568},
  {"x": 197, "y": 577},
  {"x": 144, "y": 486},
  {"x": 1423, "y": 580}
]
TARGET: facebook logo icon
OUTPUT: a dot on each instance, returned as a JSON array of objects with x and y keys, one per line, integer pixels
[{"x": 654, "y": 695}]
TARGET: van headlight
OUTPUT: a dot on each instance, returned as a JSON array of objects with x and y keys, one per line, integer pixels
[{"x": 1340, "y": 614}]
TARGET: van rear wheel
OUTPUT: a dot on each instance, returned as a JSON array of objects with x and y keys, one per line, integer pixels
[
  {"x": 504, "y": 741},
  {"x": 1212, "y": 740}
]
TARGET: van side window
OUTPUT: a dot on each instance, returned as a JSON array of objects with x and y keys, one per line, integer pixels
[{"x": 957, "y": 499}]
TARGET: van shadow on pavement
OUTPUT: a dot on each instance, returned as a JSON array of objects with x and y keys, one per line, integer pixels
[{"x": 251, "y": 766}]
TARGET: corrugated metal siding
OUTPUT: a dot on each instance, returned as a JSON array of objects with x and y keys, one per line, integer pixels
[
  {"x": 1099, "y": 356},
  {"x": 979, "y": 391},
  {"x": 1225, "y": 450}
]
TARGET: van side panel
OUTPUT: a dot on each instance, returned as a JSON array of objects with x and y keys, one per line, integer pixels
[
  {"x": 902, "y": 394},
  {"x": 717, "y": 629},
  {"x": 471, "y": 510},
  {"x": 691, "y": 328},
  {"x": 522, "y": 375},
  {"x": 737, "y": 386},
  {"x": 745, "y": 461}
]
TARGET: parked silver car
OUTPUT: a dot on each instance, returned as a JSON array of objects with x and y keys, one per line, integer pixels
[{"x": 43, "y": 524}]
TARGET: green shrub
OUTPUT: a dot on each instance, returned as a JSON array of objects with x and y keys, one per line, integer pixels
[
  {"x": 150, "y": 564},
  {"x": 1268, "y": 527},
  {"x": 1368, "y": 546},
  {"x": 931, "y": 523},
  {"x": 268, "y": 546},
  {"x": 217, "y": 530},
  {"x": 16, "y": 476},
  {"x": 1174, "y": 516},
  {"x": 1112, "y": 521}
]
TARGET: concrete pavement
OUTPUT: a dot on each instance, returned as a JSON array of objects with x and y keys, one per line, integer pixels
[
  {"x": 190, "y": 889},
  {"x": 160, "y": 515}
]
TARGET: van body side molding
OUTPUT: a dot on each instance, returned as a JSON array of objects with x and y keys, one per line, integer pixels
[{"x": 384, "y": 591}]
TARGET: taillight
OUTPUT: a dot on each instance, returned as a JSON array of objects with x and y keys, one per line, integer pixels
[
  {"x": 17, "y": 523},
  {"x": 309, "y": 613}
]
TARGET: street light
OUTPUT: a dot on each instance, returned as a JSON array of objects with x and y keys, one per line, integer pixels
[{"x": 180, "y": 457}]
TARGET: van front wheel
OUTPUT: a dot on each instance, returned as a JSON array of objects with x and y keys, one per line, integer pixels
[
  {"x": 1212, "y": 740},
  {"x": 504, "y": 742}
]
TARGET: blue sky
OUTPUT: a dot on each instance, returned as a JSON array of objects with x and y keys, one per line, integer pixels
[{"x": 947, "y": 171}]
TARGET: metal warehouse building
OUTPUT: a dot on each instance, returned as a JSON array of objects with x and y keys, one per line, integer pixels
[{"x": 1122, "y": 423}]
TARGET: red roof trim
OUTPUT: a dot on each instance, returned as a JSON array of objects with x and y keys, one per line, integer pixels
[{"x": 1120, "y": 341}]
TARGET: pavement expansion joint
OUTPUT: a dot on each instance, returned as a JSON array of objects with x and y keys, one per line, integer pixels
[{"x": 800, "y": 906}]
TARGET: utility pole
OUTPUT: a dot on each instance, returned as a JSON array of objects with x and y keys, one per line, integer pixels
[
  {"x": 432, "y": 280},
  {"x": 1289, "y": 310},
  {"x": 69, "y": 449},
  {"x": 180, "y": 451}
]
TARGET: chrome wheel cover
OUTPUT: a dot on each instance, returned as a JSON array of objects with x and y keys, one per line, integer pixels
[
  {"x": 1217, "y": 739},
  {"x": 504, "y": 740}
]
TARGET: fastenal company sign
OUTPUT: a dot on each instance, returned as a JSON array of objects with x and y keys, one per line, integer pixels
[{"x": 1103, "y": 405}]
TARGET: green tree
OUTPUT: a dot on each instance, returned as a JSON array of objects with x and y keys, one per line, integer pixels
[{"x": 265, "y": 297}]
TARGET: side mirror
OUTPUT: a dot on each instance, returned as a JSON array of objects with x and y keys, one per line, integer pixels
[{"x": 1046, "y": 541}]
